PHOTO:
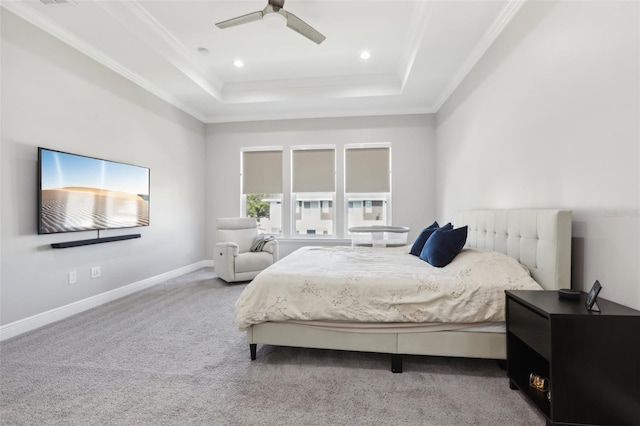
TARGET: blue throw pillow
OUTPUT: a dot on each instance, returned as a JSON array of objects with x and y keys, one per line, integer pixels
[
  {"x": 416, "y": 249},
  {"x": 443, "y": 246}
]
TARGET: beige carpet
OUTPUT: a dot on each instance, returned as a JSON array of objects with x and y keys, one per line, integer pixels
[{"x": 171, "y": 355}]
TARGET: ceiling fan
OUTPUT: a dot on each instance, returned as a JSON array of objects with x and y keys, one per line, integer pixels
[{"x": 275, "y": 8}]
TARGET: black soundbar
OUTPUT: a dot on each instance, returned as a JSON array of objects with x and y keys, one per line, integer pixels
[{"x": 94, "y": 241}]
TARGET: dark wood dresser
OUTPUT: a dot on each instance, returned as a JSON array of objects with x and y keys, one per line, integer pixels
[{"x": 591, "y": 361}]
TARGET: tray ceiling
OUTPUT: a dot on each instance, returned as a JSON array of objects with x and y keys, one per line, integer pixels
[{"x": 419, "y": 52}]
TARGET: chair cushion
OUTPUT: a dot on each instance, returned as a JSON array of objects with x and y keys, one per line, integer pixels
[{"x": 253, "y": 261}]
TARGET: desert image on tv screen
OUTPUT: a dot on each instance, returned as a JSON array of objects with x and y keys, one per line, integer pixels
[{"x": 81, "y": 193}]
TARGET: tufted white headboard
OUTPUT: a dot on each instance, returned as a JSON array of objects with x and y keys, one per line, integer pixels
[{"x": 539, "y": 239}]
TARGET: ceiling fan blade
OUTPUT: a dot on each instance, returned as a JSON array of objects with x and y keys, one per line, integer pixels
[
  {"x": 301, "y": 27},
  {"x": 244, "y": 19}
]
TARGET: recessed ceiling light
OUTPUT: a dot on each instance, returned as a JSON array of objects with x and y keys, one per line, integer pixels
[
  {"x": 365, "y": 55},
  {"x": 238, "y": 63}
]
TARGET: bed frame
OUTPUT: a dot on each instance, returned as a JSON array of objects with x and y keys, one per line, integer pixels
[{"x": 539, "y": 239}]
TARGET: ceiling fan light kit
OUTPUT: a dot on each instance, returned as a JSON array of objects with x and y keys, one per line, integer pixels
[
  {"x": 272, "y": 16},
  {"x": 274, "y": 21}
]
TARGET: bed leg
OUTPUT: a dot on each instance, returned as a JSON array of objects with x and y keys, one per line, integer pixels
[
  {"x": 396, "y": 363},
  {"x": 252, "y": 349}
]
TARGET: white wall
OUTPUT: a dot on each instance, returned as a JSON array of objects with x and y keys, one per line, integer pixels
[
  {"x": 550, "y": 118},
  {"x": 56, "y": 97},
  {"x": 412, "y": 139}
]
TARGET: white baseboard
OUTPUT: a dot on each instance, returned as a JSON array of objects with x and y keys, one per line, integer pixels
[{"x": 31, "y": 323}]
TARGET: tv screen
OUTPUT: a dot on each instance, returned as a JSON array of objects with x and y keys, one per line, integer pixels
[{"x": 78, "y": 193}]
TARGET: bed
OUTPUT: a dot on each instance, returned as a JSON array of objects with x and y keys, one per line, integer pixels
[{"x": 539, "y": 239}]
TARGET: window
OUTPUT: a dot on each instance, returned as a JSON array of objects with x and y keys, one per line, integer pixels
[
  {"x": 292, "y": 191},
  {"x": 262, "y": 188},
  {"x": 367, "y": 186},
  {"x": 313, "y": 186}
]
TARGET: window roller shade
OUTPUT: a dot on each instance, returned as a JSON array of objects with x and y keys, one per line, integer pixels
[
  {"x": 367, "y": 170},
  {"x": 314, "y": 170},
  {"x": 262, "y": 172}
]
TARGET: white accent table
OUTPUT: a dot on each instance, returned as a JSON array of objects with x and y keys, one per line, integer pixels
[{"x": 379, "y": 235}]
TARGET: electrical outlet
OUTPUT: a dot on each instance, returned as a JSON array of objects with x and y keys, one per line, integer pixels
[
  {"x": 95, "y": 272},
  {"x": 73, "y": 277}
]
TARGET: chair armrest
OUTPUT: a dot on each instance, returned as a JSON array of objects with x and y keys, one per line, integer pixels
[
  {"x": 231, "y": 248},
  {"x": 224, "y": 255},
  {"x": 272, "y": 247}
]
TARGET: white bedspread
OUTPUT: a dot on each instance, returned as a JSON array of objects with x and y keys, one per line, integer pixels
[{"x": 365, "y": 284}]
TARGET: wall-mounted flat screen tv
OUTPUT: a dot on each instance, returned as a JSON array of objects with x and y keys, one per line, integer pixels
[{"x": 78, "y": 193}]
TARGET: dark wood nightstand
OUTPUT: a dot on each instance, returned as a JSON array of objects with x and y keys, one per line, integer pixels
[{"x": 591, "y": 360}]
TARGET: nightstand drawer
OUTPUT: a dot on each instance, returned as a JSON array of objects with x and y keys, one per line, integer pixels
[{"x": 529, "y": 327}]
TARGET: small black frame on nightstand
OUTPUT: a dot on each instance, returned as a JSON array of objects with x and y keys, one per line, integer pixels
[{"x": 592, "y": 296}]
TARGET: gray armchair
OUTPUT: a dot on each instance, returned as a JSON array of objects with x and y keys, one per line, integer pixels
[{"x": 233, "y": 259}]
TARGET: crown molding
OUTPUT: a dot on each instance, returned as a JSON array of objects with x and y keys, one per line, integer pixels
[
  {"x": 485, "y": 42},
  {"x": 32, "y": 16},
  {"x": 417, "y": 29},
  {"x": 147, "y": 27},
  {"x": 312, "y": 88},
  {"x": 221, "y": 119}
]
